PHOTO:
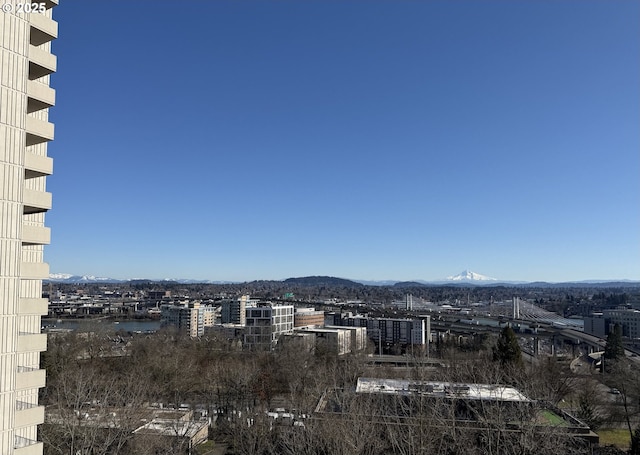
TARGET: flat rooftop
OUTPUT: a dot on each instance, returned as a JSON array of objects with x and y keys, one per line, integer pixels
[{"x": 486, "y": 392}]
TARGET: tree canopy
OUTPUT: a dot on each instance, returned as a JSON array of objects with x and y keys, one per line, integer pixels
[
  {"x": 507, "y": 350},
  {"x": 614, "y": 349}
]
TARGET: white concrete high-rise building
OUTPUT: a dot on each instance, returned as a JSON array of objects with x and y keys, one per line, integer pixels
[{"x": 26, "y": 32}]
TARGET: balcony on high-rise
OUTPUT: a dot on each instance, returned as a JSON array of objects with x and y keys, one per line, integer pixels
[
  {"x": 32, "y": 342},
  {"x": 39, "y": 96},
  {"x": 41, "y": 62},
  {"x": 28, "y": 414},
  {"x": 34, "y": 270},
  {"x": 38, "y": 131},
  {"x": 43, "y": 29},
  {"x": 33, "y": 306},
  {"x": 35, "y": 235},
  {"x": 30, "y": 378},
  {"x": 37, "y": 165},
  {"x": 35, "y": 201},
  {"x": 25, "y": 446}
]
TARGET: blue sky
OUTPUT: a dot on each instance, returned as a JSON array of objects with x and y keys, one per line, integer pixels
[{"x": 242, "y": 140}]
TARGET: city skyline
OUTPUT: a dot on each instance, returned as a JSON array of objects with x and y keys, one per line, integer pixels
[{"x": 236, "y": 141}]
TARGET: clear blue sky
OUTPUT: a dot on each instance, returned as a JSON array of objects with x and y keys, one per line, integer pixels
[{"x": 242, "y": 140}]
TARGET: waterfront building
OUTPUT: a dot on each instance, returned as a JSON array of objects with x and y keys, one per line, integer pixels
[
  {"x": 190, "y": 318},
  {"x": 25, "y": 97}
]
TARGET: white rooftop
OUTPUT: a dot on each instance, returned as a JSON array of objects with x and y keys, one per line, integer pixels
[
  {"x": 170, "y": 427},
  {"x": 440, "y": 389}
]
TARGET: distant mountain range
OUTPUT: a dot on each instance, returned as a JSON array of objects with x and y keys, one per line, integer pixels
[
  {"x": 465, "y": 278},
  {"x": 79, "y": 279}
]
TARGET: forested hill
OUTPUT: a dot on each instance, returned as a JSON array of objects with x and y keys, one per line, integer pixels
[{"x": 322, "y": 281}]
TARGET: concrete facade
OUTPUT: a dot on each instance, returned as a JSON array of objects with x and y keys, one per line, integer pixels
[
  {"x": 595, "y": 325},
  {"x": 265, "y": 324},
  {"x": 25, "y": 97},
  {"x": 358, "y": 336},
  {"x": 334, "y": 340}
]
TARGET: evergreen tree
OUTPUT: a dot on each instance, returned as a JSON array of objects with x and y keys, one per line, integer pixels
[
  {"x": 507, "y": 350},
  {"x": 635, "y": 443},
  {"x": 614, "y": 349}
]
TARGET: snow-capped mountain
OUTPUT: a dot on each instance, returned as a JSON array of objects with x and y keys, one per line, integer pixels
[
  {"x": 59, "y": 276},
  {"x": 79, "y": 279},
  {"x": 69, "y": 278},
  {"x": 468, "y": 275}
]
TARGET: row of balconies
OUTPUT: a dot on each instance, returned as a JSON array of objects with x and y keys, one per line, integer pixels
[{"x": 39, "y": 96}]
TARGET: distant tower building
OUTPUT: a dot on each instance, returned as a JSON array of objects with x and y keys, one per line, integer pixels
[
  {"x": 25, "y": 97},
  {"x": 234, "y": 311},
  {"x": 409, "y": 302},
  {"x": 190, "y": 318}
]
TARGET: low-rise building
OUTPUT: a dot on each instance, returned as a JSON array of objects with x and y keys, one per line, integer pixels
[
  {"x": 333, "y": 340},
  {"x": 358, "y": 336},
  {"x": 179, "y": 434},
  {"x": 482, "y": 412}
]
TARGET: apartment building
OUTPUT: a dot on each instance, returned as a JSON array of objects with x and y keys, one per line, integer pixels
[
  {"x": 190, "y": 318},
  {"x": 234, "y": 311},
  {"x": 25, "y": 97},
  {"x": 388, "y": 331},
  {"x": 265, "y": 324}
]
